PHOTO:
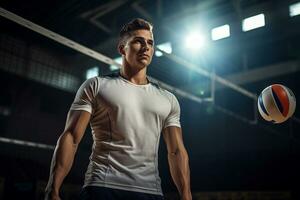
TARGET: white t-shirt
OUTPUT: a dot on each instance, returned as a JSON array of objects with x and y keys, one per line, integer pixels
[{"x": 126, "y": 122}]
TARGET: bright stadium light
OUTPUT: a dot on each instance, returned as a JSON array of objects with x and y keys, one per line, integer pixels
[
  {"x": 194, "y": 41},
  {"x": 114, "y": 67},
  {"x": 253, "y": 22},
  {"x": 158, "y": 53},
  {"x": 92, "y": 72},
  {"x": 166, "y": 47},
  {"x": 294, "y": 9},
  {"x": 220, "y": 32}
]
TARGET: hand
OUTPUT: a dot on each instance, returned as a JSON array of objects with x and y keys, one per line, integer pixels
[
  {"x": 52, "y": 196},
  {"x": 186, "y": 196}
]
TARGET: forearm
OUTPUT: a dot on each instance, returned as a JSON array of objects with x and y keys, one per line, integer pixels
[
  {"x": 180, "y": 172},
  {"x": 62, "y": 161}
]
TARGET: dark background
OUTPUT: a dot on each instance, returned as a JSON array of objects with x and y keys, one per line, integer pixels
[{"x": 39, "y": 78}]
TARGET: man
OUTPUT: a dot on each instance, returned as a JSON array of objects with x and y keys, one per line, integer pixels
[{"x": 127, "y": 113}]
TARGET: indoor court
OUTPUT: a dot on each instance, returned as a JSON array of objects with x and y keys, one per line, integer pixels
[{"x": 215, "y": 56}]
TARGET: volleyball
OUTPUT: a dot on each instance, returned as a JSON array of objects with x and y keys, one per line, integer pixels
[{"x": 276, "y": 103}]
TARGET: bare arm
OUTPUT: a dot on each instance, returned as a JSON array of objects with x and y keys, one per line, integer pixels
[
  {"x": 178, "y": 161},
  {"x": 65, "y": 150}
]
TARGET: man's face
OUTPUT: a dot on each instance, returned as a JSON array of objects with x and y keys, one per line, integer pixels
[{"x": 138, "y": 49}]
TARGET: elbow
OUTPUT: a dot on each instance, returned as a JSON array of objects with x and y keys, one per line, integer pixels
[
  {"x": 185, "y": 156},
  {"x": 69, "y": 137},
  {"x": 179, "y": 152},
  {"x": 174, "y": 152}
]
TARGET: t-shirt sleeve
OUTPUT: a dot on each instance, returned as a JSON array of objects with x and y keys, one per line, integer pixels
[
  {"x": 85, "y": 96},
  {"x": 173, "y": 118}
]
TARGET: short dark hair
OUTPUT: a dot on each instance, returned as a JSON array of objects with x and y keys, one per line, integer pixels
[{"x": 133, "y": 25}]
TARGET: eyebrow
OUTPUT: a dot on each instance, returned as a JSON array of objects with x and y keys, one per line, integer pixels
[{"x": 138, "y": 37}]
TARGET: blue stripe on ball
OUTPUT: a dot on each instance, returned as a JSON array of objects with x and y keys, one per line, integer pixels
[
  {"x": 278, "y": 103},
  {"x": 261, "y": 103}
]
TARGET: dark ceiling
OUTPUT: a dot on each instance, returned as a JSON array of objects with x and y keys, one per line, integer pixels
[{"x": 95, "y": 24}]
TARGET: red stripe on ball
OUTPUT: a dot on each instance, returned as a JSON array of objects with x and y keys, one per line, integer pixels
[{"x": 283, "y": 98}]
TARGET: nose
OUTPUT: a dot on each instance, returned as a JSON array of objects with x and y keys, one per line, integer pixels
[{"x": 145, "y": 46}]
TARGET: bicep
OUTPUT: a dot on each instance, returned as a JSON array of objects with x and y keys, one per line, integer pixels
[
  {"x": 173, "y": 139},
  {"x": 77, "y": 121}
]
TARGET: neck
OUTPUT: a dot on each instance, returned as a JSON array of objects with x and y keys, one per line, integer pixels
[{"x": 135, "y": 76}]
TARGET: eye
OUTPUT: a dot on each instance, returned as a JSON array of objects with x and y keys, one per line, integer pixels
[
  {"x": 150, "y": 42},
  {"x": 138, "y": 41}
]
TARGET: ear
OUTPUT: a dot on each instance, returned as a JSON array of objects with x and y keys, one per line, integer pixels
[{"x": 121, "y": 49}]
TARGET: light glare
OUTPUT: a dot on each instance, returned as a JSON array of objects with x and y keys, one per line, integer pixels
[
  {"x": 114, "y": 67},
  {"x": 166, "y": 47},
  {"x": 253, "y": 22},
  {"x": 294, "y": 9},
  {"x": 194, "y": 41},
  {"x": 92, "y": 72},
  {"x": 220, "y": 32},
  {"x": 158, "y": 53}
]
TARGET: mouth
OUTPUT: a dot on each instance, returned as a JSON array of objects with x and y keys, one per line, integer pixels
[{"x": 144, "y": 56}]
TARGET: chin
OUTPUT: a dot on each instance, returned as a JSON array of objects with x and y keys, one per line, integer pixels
[{"x": 142, "y": 64}]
